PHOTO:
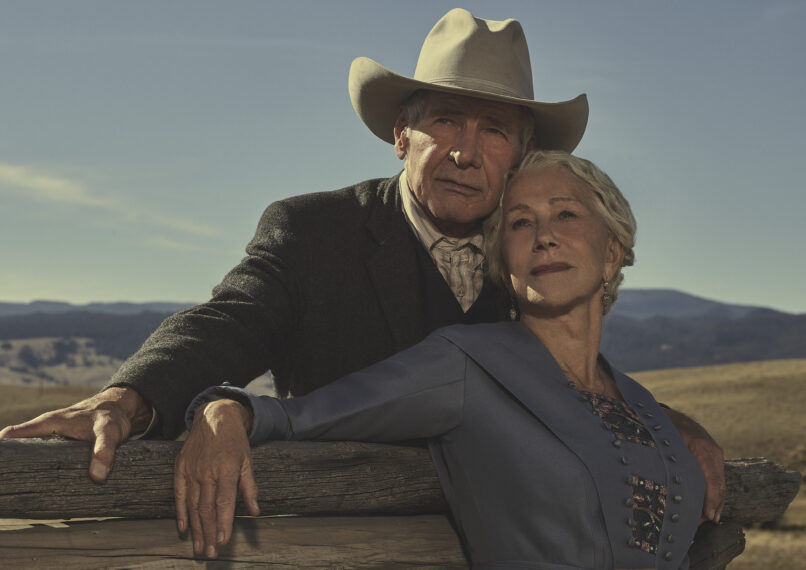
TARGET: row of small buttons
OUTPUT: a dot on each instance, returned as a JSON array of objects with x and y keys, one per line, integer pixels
[
  {"x": 617, "y": 443},
  {"x": 676, "y": 479}
]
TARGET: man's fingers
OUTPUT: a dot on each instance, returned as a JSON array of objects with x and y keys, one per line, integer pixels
[
  {"x": 249, "y": 488},
  {"x": 107, "y": 438},
  {"x": 714, "y": 500},
  {"x": 207, "y": 514},
  {"x": 193, "y": 495},
  {"x": 212, "y": 460},
  {"x": 226, "y": 494},
  {"x": 40, "y": 426},
  {"x": 180, "y": 497}
]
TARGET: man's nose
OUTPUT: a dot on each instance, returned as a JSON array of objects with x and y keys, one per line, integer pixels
[{"x": 466, "y": 152}]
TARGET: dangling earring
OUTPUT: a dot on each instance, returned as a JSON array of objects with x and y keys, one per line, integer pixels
[
  {"x": 605, "y": 295},
  {"x": 513, "y": 310}
]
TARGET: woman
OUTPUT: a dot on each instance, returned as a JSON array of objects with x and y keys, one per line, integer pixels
[{"x": 514, "y": 412}]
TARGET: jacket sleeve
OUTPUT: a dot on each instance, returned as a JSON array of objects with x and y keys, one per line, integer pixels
[
  {"x": 236, "y": 336},
  {"x": 417, "y": 393}
]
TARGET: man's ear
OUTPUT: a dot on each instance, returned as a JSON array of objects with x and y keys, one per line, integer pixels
[
  {"x": 531, "y": 145},
  {"x": 401, "y": 139}
]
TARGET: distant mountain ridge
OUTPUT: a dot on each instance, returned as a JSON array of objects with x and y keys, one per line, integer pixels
[
  {"x": 648, "y": 329},
  {"x": 633, "y": 303},
  {"x": 657, "y": 342},
  {"x": 117, "y": 308},
  {"x": 647, "y": 303}
]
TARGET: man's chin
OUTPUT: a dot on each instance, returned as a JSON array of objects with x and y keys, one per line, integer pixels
[{"x": 457, "y": 227}]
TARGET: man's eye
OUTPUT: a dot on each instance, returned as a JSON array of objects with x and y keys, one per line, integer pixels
[
  {"x": 443, "y": 121},
  {"x": 497, "y": 132}
]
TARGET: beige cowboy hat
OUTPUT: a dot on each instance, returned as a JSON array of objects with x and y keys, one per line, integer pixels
[{"x": 465, "y": 55}]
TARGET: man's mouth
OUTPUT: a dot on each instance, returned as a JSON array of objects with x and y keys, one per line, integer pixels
[{"x": 460, "y": 186}]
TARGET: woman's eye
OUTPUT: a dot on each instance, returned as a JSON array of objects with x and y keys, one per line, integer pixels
[
  {"x": 567, "y": 214},
  {"x": 520, "y": 223}
]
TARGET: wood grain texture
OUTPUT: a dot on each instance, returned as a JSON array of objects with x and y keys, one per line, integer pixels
[
  {"x": 47, "y": 478},
  {"x": 758, "y": 490},
  {"x": 423, "y": 541},
  {"x": 426, "y": 541}
]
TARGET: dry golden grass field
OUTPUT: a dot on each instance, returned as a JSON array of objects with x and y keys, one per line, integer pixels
[
  {"x": 753, "y": 409},
  {"x": 20, "y": 403}
]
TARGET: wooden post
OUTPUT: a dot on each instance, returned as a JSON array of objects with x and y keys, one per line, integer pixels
[{"x": 47, "y": 479}]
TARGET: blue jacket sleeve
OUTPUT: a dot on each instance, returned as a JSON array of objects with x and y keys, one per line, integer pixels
[{"x": 417, "y": 393}]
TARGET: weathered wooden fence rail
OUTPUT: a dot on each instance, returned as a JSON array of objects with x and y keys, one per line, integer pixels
[{"x": 47, "y": 479}]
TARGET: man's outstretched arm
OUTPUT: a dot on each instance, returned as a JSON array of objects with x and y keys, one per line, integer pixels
[
  {"x": 106, "y": 419},
  {"x": 711, "y": 459}
]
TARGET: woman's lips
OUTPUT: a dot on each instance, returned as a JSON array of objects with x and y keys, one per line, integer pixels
[{"x": 550, "y": 268}]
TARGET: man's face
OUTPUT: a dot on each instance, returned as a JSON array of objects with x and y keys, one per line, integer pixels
[{"x": 457, "y": 155}]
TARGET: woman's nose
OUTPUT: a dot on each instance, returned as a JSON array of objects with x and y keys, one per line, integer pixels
[{"x": 545, "y": 238}]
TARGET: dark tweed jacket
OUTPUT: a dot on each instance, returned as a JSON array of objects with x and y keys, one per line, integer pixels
[{"x": 329, "y": 286}]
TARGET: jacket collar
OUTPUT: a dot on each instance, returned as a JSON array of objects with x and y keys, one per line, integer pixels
[{"x": 392, "y": 266}]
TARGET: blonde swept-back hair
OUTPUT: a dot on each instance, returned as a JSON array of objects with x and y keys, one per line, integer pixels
[{"x": 610, "y": 204}]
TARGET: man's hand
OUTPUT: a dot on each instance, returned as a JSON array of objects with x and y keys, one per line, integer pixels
[
  {"x": 107, "y": 419},
  {"x": 710, "y": 457},
  {"x": 214, "y": 462}
]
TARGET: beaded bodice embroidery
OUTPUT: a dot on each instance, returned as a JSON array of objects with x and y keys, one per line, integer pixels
[
  {"x": 648, "y": 499},
  {"x": 619, "y": 418}
]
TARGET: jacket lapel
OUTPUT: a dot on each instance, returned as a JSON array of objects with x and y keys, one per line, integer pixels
[
  {"x": 392, "y": 265},
  {"x": 515, "y": 359}
]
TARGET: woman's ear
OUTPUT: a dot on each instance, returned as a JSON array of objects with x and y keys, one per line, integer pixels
[
  {"x": 615, "y": 255},
  {"x": 401, "y": 135}
]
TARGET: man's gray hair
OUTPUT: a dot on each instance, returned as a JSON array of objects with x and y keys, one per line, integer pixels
[
  {"x": 610, "y": 204},
  {"x": 414, "y": 108}
]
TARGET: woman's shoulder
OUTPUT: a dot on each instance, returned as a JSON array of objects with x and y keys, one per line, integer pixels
[{"x": 482, "y": 331}]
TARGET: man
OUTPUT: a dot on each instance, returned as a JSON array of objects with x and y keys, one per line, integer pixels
[{"x": 336, "y": 281}]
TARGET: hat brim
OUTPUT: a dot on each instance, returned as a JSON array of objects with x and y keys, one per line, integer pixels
[{"x": 377, "y": 94}]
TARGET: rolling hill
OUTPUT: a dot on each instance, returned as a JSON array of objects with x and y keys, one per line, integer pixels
[{"x": 649, "y": 329}]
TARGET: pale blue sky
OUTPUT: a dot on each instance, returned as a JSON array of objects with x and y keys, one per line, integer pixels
[{"x": 140, "y": 141}]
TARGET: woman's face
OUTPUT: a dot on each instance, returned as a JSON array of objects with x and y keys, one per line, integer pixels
[{"x": 556, "y": 248}]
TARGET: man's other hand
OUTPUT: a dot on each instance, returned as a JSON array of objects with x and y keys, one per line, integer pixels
[
  {"x": 711, "y": 459},
  {"x": 213, "y": 464},
  {"x": 107, "y": 419}
]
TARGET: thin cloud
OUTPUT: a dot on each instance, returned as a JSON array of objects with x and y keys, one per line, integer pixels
[
  {"x": 161, "y": 242},
  {"x": 46, "y": 188}
]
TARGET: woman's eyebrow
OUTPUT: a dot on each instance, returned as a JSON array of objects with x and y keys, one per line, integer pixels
[
  {"x": 518, "y": 207},
  {"x": 563, "y": 199}
]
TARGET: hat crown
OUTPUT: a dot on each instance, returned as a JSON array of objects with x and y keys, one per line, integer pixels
[{"x": 488, "y": 56}]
